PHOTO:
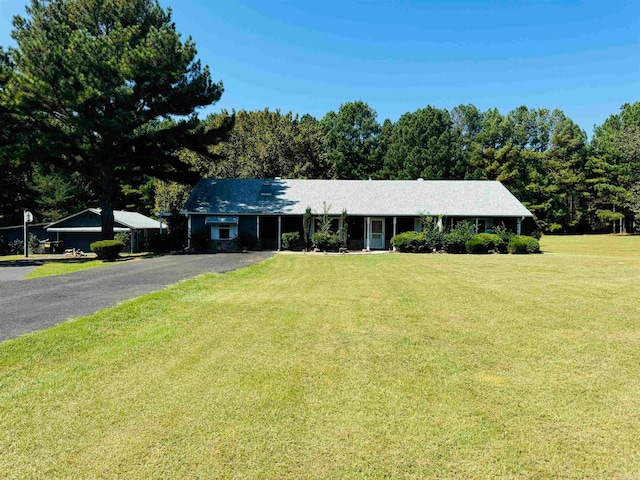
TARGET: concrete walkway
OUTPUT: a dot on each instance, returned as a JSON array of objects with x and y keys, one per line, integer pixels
[{"x": 29, "y": 305}]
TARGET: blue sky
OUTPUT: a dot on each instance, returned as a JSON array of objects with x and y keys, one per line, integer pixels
[{"x": 399, "y": 56}]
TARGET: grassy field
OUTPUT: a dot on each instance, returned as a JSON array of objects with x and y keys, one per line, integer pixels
[{"x": 371, "y": 366}]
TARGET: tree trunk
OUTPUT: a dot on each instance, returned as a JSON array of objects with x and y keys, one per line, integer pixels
[{"x": 106, "y": 216}]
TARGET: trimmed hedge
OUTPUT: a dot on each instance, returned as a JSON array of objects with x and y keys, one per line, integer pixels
[
  {"x": 483, "y": 243},
  {"x": 107, "y": 249},
  {"x": 418, "y": 242},
  {"x": 409, "y": 242},
  {"x": 523, "y": 244}
]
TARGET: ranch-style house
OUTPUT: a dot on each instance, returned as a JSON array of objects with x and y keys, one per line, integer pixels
[{"x": 377, "y": 209}]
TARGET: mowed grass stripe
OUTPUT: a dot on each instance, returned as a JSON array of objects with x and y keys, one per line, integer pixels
[{"x": 402, "y": 366}]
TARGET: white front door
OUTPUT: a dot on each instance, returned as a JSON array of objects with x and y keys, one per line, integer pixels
[{"x": 377, "y": 233}]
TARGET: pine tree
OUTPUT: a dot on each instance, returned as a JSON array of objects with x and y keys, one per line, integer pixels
[{"x": 111, "y": 89}]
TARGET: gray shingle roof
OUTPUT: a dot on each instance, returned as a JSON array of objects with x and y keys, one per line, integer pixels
[
  {"x": 133, "y": 220},
  {"x": 473, "y": 198}
]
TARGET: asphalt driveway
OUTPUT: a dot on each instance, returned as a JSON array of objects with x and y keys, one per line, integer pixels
[{"x": 29, "y": 305}]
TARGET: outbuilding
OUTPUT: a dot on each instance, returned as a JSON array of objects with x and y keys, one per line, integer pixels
[{"x": 81, "y": 229}]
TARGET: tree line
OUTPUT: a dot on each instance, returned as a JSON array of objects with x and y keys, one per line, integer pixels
[
  {"x": 571, "y": 184},
  {"x": 98, "y": 107}
]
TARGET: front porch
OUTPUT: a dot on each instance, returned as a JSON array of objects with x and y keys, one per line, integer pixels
[{"x": 369, "y": 233}]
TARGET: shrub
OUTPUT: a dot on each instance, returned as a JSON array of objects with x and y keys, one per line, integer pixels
[
  {"x": 419, "y": 242},
  {"x": 16, "y": 247},
  {"x": 483, "y": 243},
  {"x": 158, "y": 242},
  {"x": 124, "y": 238},
  {"x": 200, "y": 240},
  {"x": 34, "y": 244},
  {"x": 343, "y": 231},
  {"x": 523, "y": 244},
  {"x": 328, "y": 242},
  {"x": 107, "y": 249},
  {"x": 455, "y": 241},
  {"x": 306, "y": 226},
  {"x": 410, "y": 242},
  {"x": 246, "y": 241},
  {"x": 505, "y": 235},
  {"x": 290, "y": 240},
  {"x": 434, "y": 239}
]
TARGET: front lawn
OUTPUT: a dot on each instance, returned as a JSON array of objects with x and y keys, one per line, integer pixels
[
  {"x": 61, "y": 266},
  {"x": 32, "y": 256},
  {"x": 68, "y": 265},
  {"x": 320, "y": 366}
]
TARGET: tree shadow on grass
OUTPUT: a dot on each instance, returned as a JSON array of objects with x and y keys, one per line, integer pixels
[{"x": 22, "y": 263}]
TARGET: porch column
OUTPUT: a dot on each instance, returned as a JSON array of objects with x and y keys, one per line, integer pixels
[
  {"x": 364, "y": 229},
  {"x": 188, "y": 231},
  {"x": 258, "y": 227},
  {"x": 368, "y": 234},
  {"x": 279, "y": 232},
  {"x": 395, "y": 219},
  {"x": 476, "y": 224},
  {"x": 519, "y": 227},
  {"x": 131, "y": 235}
]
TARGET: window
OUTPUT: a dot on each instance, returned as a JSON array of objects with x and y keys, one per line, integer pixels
[
  {"x": 223, "y": 227},
  {"x": 485, "y": 225},
  {"x": 224, "y": 231}
]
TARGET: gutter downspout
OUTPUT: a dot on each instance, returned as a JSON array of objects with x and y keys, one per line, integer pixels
[
  {"x": 364, "y": 240},
  {"x": 279, "y": 232},
  {"x": 188, "y": 231},
  {"x": 258, "y": 228}
]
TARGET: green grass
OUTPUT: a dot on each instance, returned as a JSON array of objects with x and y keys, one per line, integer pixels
[
  {"x": 32, "y": 256},
  {"x": 372, "y": 366},
  {"x": 60, "y": 267},
  {"x": 70, "y": 265},
  {"x": 592, "y": 245}
]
